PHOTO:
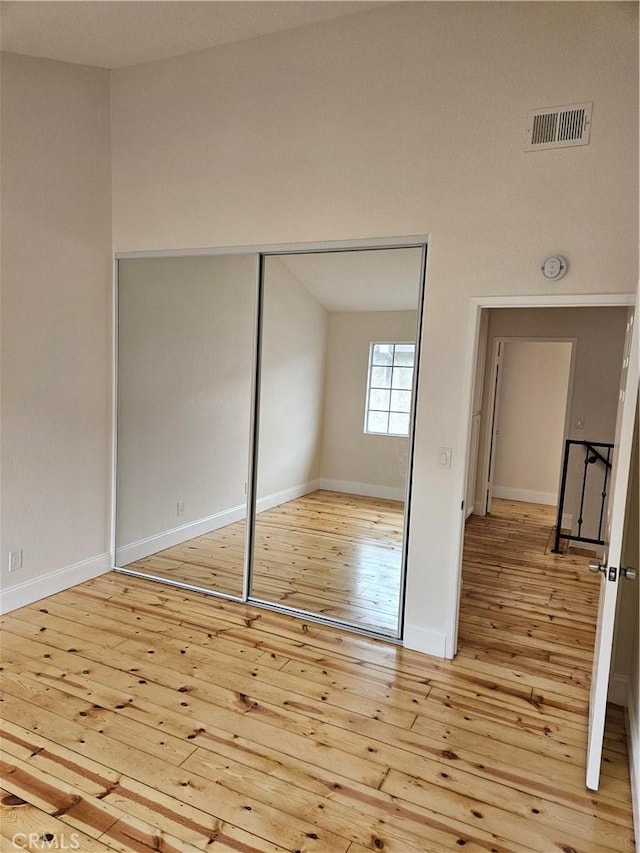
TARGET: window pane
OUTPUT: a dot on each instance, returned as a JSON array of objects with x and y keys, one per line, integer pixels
[
  {"x": 404, "y": 354},
  {"x": 379, "y": 399},
  {"x": 382, "y": 354},
  {"x": 377, "y": 421},
  {"x": 402, "y": 377},
  {"x": 389, "y": 389},
  {"x": 381, "y": 377},
  {"x": 400, "y": 401},
  {"x": 398, "y": 423}
]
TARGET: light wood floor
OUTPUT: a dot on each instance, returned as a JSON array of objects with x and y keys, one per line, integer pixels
[
  {"x": 327, "y": 553},
  {"x": 144, "y": 718}
]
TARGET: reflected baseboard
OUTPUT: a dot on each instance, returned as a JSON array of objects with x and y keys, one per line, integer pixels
[
  {"x": 286, "y": 495},
  {"x": 367, "y": 490},
  {"x": 177, "y": 535},
  {"x": 183, "y": 533}
]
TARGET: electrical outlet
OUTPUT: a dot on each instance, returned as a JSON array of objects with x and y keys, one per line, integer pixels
[
  {"x": 15, "y": 560},
  {"x": 180, "y": 508}
]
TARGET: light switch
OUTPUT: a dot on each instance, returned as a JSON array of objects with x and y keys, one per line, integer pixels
[
  {"x": 444, "y": 457},
  {"x": 579, "y": 423}
]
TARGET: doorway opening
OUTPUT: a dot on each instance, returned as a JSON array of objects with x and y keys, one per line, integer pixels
[
  {"x": 541, "y": 610},
  {"x": 542, "y": 375},
  {"x": 531, "y": 386},
  {"x": 510, "y": 399}
]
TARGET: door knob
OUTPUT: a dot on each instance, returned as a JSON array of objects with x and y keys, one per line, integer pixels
[{"x": 630, "y": 573}]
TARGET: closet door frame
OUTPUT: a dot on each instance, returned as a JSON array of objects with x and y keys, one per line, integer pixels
[{"x": 261, "y": 252}]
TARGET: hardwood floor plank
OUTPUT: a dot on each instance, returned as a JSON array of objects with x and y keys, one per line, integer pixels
[
  {"x": 349, "y": 816},
  {"x": 131, "y": 797},
  {"x": 172, "y": 690},
  {"x": 94, "y": 713},
  {"x": 91, "y": 816},
  {"x": 545, "y": 826},
  {"x": 147, "y": 717},
  {"x": 206, "y": 661},
  {"x": 26, "y": 827},
  {"x": 249, "y": 815}
]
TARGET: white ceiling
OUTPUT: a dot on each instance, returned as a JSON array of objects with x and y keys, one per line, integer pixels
[
  {"x": 115, "y": 34},
  {"x": 375, "y": 280}
]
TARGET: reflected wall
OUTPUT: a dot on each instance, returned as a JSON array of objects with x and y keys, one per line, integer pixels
[{"x": 186, "y": 335}]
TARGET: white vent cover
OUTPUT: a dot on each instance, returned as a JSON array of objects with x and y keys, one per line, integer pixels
[{"x": 559, "y": 127}]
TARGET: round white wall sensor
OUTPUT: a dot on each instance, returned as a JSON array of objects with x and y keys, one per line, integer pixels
[{"x": 554, "y": 267}]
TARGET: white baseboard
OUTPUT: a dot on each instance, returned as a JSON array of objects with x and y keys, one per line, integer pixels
[
  {"x": 176, "y": 535},
  {"x": 527, "y": 495},
  {"x": 425, "y": 640},
  {"x": 478, "y": 508},
  {"x": 566, "y": 522},
  {"x": 35, "y": 589},
  {"x": 286, "y": 495},
  {"x": 367, "y": 490},
  {"x": 619, "y": 689}
]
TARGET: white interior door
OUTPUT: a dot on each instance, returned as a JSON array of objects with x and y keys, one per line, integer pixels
[
  {"x": 495, "y": 408},
  {"x": 613, "y": 550}
]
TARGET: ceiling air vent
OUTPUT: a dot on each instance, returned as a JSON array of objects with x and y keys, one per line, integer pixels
[{"x": 559, "y": 127}]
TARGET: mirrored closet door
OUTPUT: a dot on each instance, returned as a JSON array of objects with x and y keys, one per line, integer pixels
[
  {"x": 186, "y": 333},
  {"x": 265, "y": 427},
  {"x": 337, "y": 368}
]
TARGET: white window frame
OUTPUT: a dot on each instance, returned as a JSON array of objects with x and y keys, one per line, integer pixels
[{"x": 389, "y": 410}]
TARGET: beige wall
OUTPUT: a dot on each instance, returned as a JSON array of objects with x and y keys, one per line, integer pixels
[
  {"x": 531, "y": 419},
  {"x": 349, "y": 455},
  {"x": 327, "y": 132},
  {"x": 186, "y": 340},
  {"x": 56, "y": 324},
  {"x": 294, "y": 344}
]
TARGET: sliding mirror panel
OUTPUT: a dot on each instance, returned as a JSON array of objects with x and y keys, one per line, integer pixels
[
  {"x": 337, "y": 368},
  {"x": 186, "y": 333}
]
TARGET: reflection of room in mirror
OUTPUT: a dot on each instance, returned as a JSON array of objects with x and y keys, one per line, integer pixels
[
  {"x": 333, "y": 554},
  {"x": 338, "y": 342},
  {"x": 185, "y": 371},
  {"x": 338, "y": 347}
]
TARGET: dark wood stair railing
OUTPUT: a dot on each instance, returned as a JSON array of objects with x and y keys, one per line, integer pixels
[{"x": 595, "y": 453}]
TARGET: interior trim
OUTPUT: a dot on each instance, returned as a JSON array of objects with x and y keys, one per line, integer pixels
[
  {"x": 261, "y": 252},
  {"x": 410, "y": 242}
]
